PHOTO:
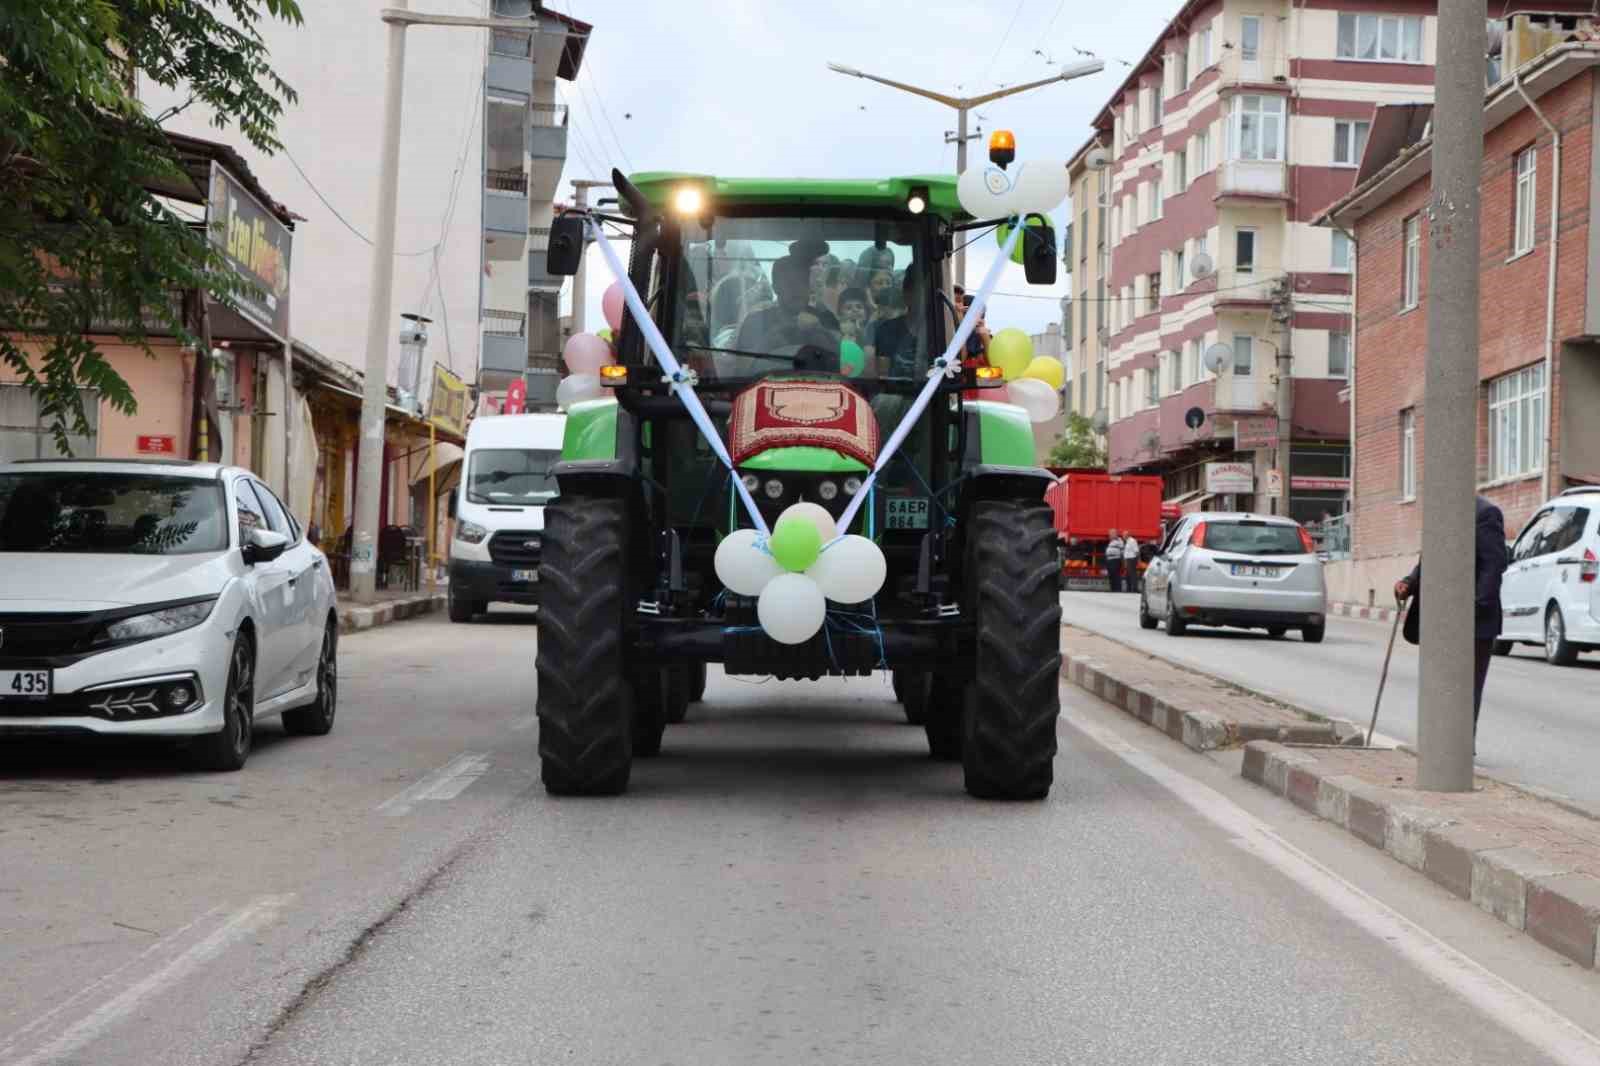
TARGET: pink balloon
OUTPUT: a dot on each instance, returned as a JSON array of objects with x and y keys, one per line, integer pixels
[
  {"x": 611, "y": 306},
  {"x": 586, "y": 354},
  {"x": 1000, "y": 395}
]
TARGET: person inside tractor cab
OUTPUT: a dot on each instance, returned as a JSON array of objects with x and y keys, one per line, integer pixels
[
  {"x": 792, "y": 320},
  {"x": 901, "y": 343}
]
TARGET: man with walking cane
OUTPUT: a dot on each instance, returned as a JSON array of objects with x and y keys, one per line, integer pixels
[{"x": 1491, "y": 566}]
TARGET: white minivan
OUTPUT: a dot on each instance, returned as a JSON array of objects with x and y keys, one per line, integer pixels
[
  {"x": 506, "y": 480},
  {"x": 1550, "y": 594}
]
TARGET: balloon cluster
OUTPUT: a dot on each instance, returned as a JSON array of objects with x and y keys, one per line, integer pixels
[
  {"x": 803, "y": 564},
  {"x": 1032, "y": 381},
  {"x": 586, "y": 353}
]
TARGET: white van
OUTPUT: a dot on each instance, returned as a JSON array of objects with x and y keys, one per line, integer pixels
[
  {"x": 1550, "y": 594},
  {"x": 506, "y": 480}
]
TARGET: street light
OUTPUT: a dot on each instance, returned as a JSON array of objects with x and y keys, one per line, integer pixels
[{"x": 963, "y": 104}]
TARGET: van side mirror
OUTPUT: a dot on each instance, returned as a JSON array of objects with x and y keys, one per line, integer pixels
[
  {"x": 263, "y": 546},
  {"x": 1039, "y": 252},
  {"x": 565, "y": 254}
]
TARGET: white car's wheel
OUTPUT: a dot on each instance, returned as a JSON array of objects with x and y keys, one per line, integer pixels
[
  {"x": 1557, "y": 650},
  {"x": 316, "y": 719},
  {"x": 229, "y": 747}
]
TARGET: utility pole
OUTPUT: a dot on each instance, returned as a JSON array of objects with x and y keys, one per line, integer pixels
[
  {"x": 1450, "y": 425},
  {"x": 960, "y": 138},
  {"x": 1283, "y": 314},
  {"x": 580, "y": 288},
  {"x": 374, "y": 396},
  {"x": 963, "y": 104}
]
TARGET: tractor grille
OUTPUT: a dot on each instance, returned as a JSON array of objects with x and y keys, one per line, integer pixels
[{"x": 516, "y": 547}]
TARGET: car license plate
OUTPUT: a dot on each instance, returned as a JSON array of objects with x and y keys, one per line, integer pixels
[
  {"x": 907, "y": 512},
  {"x": 24, "y": 684},
  {"x": 1243, "y": 570},
  {"x": 524, "y": 575}
]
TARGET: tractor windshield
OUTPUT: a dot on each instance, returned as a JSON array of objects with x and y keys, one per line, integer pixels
[{"x": 756, "y": 296}]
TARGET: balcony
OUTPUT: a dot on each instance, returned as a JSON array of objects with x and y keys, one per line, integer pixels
[
  {"x": 539, "y": 277},
  {"x": 1244, "y": 393},
  {"x": 510, "y": 74},
  {"x": 505, "y": 214},
  {"x": 505, "y": 342},
  {"x": 513, "y": 181},
  {"x": 1252, "y": 179},
  {"x": 547, "y": 148}
]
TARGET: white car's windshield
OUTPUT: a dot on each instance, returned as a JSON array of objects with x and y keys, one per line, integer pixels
[
  {"x": 105, "y": 513},
  {"x": 513, "y": 477}
]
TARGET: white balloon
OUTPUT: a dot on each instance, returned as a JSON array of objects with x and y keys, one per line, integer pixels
[
  {"x": 818, "y": 516},
  {"x": 1035, "y": 397},
  {"x": 1035, "y": 187},
  {"x": 575, "y": 388},
  {"x": 744, "y": 568},
  {"x": 850, "y": 570},
  {"x": 983, "y": 191},
  {"x": 791, "y": 608}
]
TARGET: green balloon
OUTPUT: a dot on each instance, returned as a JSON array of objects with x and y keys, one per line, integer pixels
[
  {"x": 1004, "y": 232},
  {"x": 852, "y": 360},
  {"x": 795, "y": 543},
  {"x": 604, "y": 334}
]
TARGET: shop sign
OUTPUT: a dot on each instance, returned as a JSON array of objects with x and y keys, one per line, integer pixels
[
  {"x": 1225, "y": 477},
  {"x": 447, "y": 402},
  {"x": 255, "y": 244},
  {"x": 1320, "y": 484},
  {"x": 157, "y": 444},
  {"x": 1275, "y": 484},
  {"x": 1255, "y": 431}
]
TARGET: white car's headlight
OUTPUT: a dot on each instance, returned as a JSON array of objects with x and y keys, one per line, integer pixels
[
  {"x": 160, "y": 623},
  {"x": 470, "y": 532}
]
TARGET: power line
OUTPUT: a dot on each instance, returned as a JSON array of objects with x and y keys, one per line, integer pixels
[
  {"x": 1004, "y": 38},
  {"x": 599, "y": 98},
  {"x": 336, "y": 213}
]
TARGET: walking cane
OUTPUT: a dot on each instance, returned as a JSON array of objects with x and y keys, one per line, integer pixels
[{"x": 1384, "y": 677}]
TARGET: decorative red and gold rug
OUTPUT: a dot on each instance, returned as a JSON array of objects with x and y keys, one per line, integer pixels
[{"x": 793, "y": 413}]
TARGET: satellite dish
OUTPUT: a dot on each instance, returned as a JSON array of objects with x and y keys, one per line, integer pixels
[
  {"x": 1202, "y": 267},
  {"x": 1097, "y": 159},
  {"x": 1218, "y": 356},
  {"x": 1151, "y": 441},
  {"x": 1194, "y": 418},
  {"x": 1097, "y": 421}
]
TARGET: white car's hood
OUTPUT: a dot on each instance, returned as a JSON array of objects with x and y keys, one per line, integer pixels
[{"x": 48, "y": 581}]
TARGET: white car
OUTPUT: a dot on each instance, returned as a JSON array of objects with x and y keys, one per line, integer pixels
[
  {"x": 160, "y": 599},
  {"x": 1550, "y": 594}
]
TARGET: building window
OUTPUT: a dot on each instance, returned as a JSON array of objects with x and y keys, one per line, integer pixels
[
  {"x": 1338, "y": 353},
  {"x": 1349, "y": 142},
  {"x": 1099, "y": 306},
  {"x": 1152, "y": 388},
  {"x": 1083, "y": 316},
  {"x": 1180, "y": 275},
  {"x": 1244, "y": 251},
  {"x": 1408, "y": 454},
  {"x": 1202, "y": 152},
  {"x": 1411, "y": 267},
  {"x": 1256, "y": 132},
  {"x": 1180, "y": 70},
  {"x": 1250, "y": 43},
  {"x": 1180, "y": 171},
  {"x": 1381, "y": 38},
  {"x": 1157, "y": 205},
  {"x": 1527, "y": 172},
  {"x": 1244, "y": 355},
  {"x": 1516, "y": 423},
  {"x": 25, "y": 433},
  {"x": 1340, "y": 259},
  {"x": 1158, "y": 104},
  {"x": 1154, "y": 289},
  {"x": 1203, "y": 49}
]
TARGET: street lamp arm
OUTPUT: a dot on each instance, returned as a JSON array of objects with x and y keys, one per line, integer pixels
[
  {"x": 948, "y": 101},
  {"x": 1065, "y": 75},
  {"x": 405, "y": 17}
]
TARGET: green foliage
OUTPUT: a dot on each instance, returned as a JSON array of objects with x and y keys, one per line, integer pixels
[
  {"x": 83, "y": 244},
  {"x": 1076, "y": 446}
]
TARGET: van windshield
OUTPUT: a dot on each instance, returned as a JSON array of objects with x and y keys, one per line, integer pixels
[{"x": 511, "y": 477}]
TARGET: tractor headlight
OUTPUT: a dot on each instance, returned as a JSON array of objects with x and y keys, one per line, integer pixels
[
  {"x": 752, "y": 484},
  {"x": 852, "y": 485},
  {"x": 688, "y": 201},
  {"x": 828, "y": 490},
  {"x": 773, "y": 488}
]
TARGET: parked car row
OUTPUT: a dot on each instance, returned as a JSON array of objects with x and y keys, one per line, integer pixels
[{"x": 160, "y": 599}]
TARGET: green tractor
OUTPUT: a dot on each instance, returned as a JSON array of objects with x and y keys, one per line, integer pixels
[{"x": 809, "y": 310}]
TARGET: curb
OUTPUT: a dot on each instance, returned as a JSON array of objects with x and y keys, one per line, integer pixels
[
  {"x": 354, "y": 619},
  {"x": 1370, "y": 614},
  {"x": 1198, "y": 730},
  {"x": 1531, "y": 893}
]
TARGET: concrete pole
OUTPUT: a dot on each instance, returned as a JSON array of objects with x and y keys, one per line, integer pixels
[
  {"x": 580, "y": 287},
  {"x": 1450, "y": 424},
  {"x": 374, "y": 399},
  {"x": 1285, "y": 362},
  {"x": 961, "y": 168}
]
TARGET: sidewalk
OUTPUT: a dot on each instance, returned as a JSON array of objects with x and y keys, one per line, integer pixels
[
  {"x": 1357, "y": 610},
  {"x": 391, "y": 606},
  {"x": 1199, "y": 711},
  {"x": 1531, "y": 863}
]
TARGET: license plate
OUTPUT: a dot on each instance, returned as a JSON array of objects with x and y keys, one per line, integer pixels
[
  {"x": 24, "y": 684},
  {"x": 907, "y": 512},
  {"x": 524, "y": 575},
  {"x": 1240, "y": 570}
]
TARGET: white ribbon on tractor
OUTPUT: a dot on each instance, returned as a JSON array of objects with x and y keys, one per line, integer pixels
[
  {"x": 683, "y": 381},
  {"x": 945, "y": 364}
]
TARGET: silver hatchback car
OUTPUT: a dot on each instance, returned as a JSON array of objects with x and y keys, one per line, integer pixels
[{"x": 1245, "y": 570}]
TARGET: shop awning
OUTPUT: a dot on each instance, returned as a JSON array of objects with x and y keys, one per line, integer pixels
[{"x": 446, "y": 457}]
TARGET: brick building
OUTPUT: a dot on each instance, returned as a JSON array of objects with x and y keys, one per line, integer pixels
[{"x": 1538, "y": 360}]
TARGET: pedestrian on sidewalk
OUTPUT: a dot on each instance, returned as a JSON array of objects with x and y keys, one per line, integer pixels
[
  {"x": 1114, "y": 561},
  {"x": 1490, "y": 568},
  {"x": 1130, "y": 561}
]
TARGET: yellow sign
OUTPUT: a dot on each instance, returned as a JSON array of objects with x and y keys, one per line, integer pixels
[{"x": 447, "y": 402}]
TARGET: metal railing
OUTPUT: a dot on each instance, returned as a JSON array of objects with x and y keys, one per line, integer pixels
[
  {"x": 548, "y": 114},
  {"x": 539, "y": 238},
  {"x": 518, "y": 45},
  {"x": 1332, "y": 538},
  {"x": 544, "y": 360},
  {"x": 514, "y": 180},
  {"x": 497, "y": 323}
]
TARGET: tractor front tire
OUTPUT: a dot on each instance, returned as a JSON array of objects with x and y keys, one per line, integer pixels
[
  {"x": 1012, "y": 703},
  {"x": 584, "y": 698},
  {"x": 914, "y": 688},
  {"x": 942, "y": 719}
]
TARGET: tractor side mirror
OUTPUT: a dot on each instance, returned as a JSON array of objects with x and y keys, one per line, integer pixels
[
  {"x": 565, "y": 254},
  {"x": 1039, "y": 253}
]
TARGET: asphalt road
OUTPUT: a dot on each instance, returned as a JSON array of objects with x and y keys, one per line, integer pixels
[
  {"x": 1540, "y": 724},
  {"x": 792, "y": 881}
]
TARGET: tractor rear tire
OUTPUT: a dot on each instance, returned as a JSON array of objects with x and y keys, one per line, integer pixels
[
  {"x": 942, "y": 720},
  {"x": 585, "y": 700},
  {"x": 697, "y": 684},
  {"x": 915, "y": 687},
  {"x": 898, "y": 677},
  {"x": 1012, "y": 703}
]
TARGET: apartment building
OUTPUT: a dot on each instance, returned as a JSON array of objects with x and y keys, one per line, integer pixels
[
  {"x": 1242, "y": 122},
  {"x": 1085, "y": 257},
  {"x": 525, "y": 134}
]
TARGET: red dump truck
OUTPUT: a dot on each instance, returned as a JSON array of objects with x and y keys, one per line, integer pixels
[{"x": 1088, "y": 505}]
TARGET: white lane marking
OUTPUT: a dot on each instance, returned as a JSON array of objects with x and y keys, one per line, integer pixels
[
  {"x": 1551, "y": 1032},
  {"x": 243, "y": 923},
  {"x": 440, "y": 785}
]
